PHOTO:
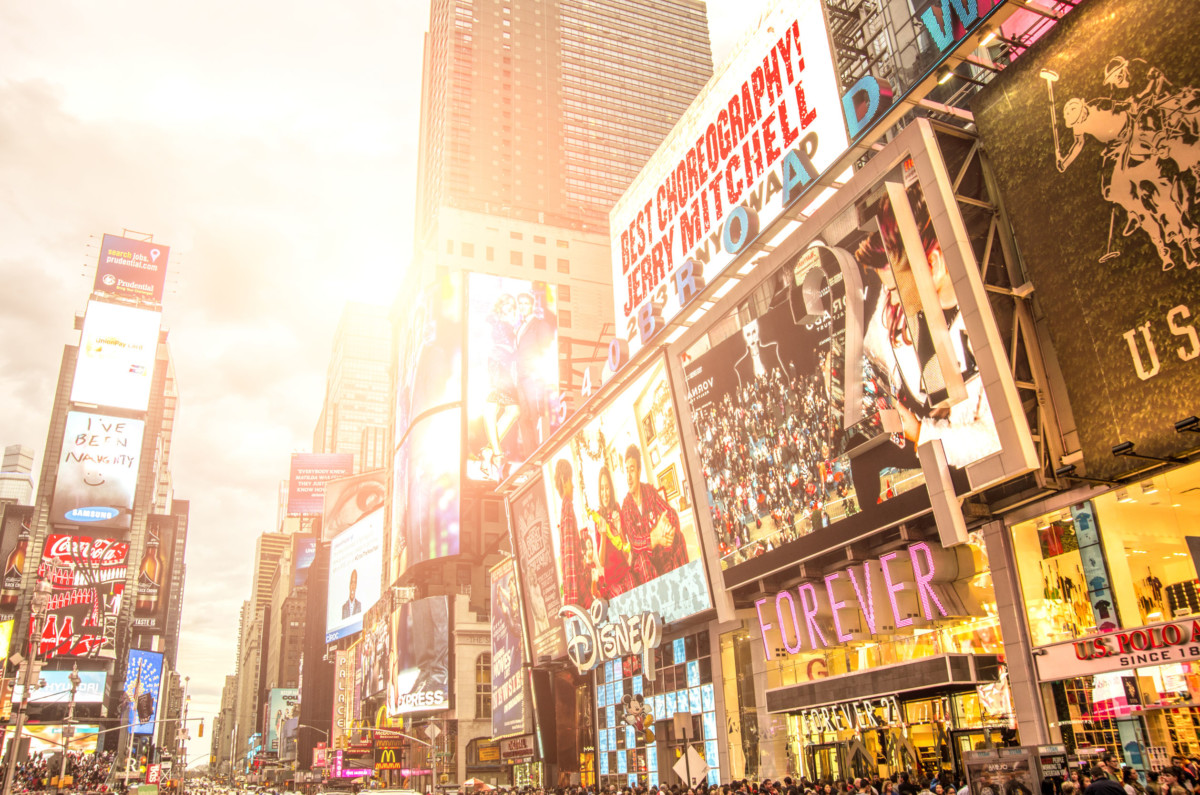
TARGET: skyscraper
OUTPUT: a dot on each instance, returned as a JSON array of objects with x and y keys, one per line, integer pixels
[
  {"x": 356, "y": 390},
  {"x": 16, "y": 475},
  {"x": 535, "y": 118}
]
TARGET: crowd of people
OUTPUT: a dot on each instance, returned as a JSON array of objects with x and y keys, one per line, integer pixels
[
  {"x": 773, "y": 461},
  {"x": 87, "y": 772}
]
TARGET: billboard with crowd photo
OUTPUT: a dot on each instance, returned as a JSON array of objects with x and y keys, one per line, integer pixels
[
  {"x": 97, "y": 471},
  {"x": 419, "y": 675},
  {"x": 1095, "y": 143},
  {"x": 117, "y": 348},
  {"x": 512, "y": 372},
  {"x": 87, "y": 579},
  {"x": 866, "y": 345},
  {"x": 426, "y": 484},
  {"x": 623, "y": 526},
  {"x": 508, "y": 653}
]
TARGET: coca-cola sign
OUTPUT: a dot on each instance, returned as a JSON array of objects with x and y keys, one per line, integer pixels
[{"x": 88, "y": 580}]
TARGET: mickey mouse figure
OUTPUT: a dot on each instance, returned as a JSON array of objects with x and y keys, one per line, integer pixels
[{"x": 638, "y": 715}]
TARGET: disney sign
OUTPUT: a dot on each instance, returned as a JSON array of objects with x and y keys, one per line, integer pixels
[{"x": 597, "y": 641}]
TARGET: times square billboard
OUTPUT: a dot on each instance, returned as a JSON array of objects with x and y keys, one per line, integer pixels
[
  {"x": 859, "y": 380},
  {"x": 131, "y": 269},
  {"x": 117, "y": 350},
  {"x": 97, "y": 471}
]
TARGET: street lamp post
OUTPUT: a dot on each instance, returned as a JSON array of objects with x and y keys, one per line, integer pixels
[
  {"x": 182, "y": 749},
  {"x": 39, "y": 602},
  {"x": 68, "y": 729}
]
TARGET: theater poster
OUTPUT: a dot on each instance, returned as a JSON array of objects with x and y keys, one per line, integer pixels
[{"x": 1094, "y": 139}]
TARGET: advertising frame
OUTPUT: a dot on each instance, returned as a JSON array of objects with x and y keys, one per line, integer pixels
[
  {"x": 115, "y": 369},
  {"x": 97, "y": 473},
  {"x": 152, "y": 601},
  {"x": 355, "y": 540},
  {"x": 308, "y": 475},
  {"x": 87, "y": 577},
  {"x": 280, "y": 703},
  {"x": 347, "y": 500},
  {"x": 420, "y": 677},
  {"x": 123, "y": 273},
  {"x": 532, "y": 543},
  {"x": 143, "y": 699},
  {"x": 509, "y": 715},
  {"x": 917, "y": 145}
]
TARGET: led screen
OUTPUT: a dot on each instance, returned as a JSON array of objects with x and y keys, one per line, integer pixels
[
  {"x": 282, "y": 705},
  {"x": 132, "y": 269},
  {"x": 621, "y": 514},
  {"x": 115, "y": 367},
  {"x": 97, "y": 471},
  {"x": 426, "y": 484},
  {"x": 355, "y": 572},
  {"x": 309, "y": 474},
  {"x": 420, "y": 670},
  {"x": 349, "y": 499},
  {"x": 57, "y": 689},
  {"x": 508, "y": 653},
  {"x": 512, "y": 372},
  {"x": 15, "y": 532},
  {"x": 429, "y": 350},
  {"x": 87, "y": 577},
  {"x": 534, "y": 546},
  {"x": 153, "y": 591},
  {"x": 143, "y": 676},
  {"x": 304, "y": 552},
  {"x": 376, "y": 648}
]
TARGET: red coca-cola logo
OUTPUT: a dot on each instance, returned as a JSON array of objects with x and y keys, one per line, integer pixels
[{"x": 79, "y": 549}]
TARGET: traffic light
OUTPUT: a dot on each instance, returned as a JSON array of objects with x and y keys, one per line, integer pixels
[{"x": 201, "y": 732}]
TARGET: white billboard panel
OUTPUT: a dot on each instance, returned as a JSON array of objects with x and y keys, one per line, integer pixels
[{"x": 116, "y": 357}]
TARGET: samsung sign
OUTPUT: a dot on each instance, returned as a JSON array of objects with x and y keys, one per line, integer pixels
[{"x": 763, "y": 133}]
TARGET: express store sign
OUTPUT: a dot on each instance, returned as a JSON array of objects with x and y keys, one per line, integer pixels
[{"x": 1173, "y": 642}]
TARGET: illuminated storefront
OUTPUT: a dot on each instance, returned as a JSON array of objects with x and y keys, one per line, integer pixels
[{"x": 1112, "y": 598}]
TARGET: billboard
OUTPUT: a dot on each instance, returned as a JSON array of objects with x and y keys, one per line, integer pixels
[
  {"x": 132, "y": 269},
  {"x": 355, "y": 573},
  {"x": 97, "y": 471},
  {"x": 429, "y": 350},
  {"x": 15, "y": 531},
  {"x": 87, "y": 578},
  {"x": 1094, "y": 149},
  {"x": 765, "y": 126},
  {"x": 426, "y": 484},
  {"x": 143, "y": 676},
  {"x": 622, "y": 525},
  {"x": 304, "y": 552},
  {"x": 57, "y": 689},
  {"x": 871, "y": 369},
  {"x": 152, "y": 597},
  {"x": 117, "y": 348},
  {"x": 419, "y": 679},
  {"x": 375, "y": 648},
  {"x": 533, "y": 544},
  {"x": 508, "y": 653},
  {"x": 512, "y": 372},
  {"x": 309, "y": 474},
  {"x": 283, "y": 703},
  {"x": 351, "y": 498}
]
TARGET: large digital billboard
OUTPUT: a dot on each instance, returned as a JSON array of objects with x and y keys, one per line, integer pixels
[
  {"x": 623, "y": 526},
  {"x": 429, "y": 351},
  {"x": 375, "y": 649},
  {"x": 1093, "y": 138},
  {"x": 57, "y": 689},
  {"x": 871, "y": 343},
  {"x": 512, "y": 372},
  {"x": 143, "y": 678},
  {"x": 310, "y": 473},
  {"x": 97, "y": 471},
  {"x": 133, "y": 269},
  {"x": 117, "y": 348},
  {"x": 283, "y": 703},
  {"x": 15, "y": 532},
  {"x": 349, "y": 499},
  {"x": 764, "y": 128},
  {"x": 419, "y": 679},
  {"x": 304, "y": 552},
  {"x": 87, "y": 578},
  {"x": 534, "y": 546},
  {"x": 426, "y": 485},
  {"x": 355, "y": 573},
  {"x": 153, "y": 588},
  {"x": 508, "y": 653}
]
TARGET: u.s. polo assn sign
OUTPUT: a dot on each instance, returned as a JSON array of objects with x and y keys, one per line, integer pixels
[
  {"x": 597, "y": 641},
  {"x": 1172, "y": 642}
]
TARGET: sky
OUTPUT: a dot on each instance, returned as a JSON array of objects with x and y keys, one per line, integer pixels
[{"x": 272, "y": 146}]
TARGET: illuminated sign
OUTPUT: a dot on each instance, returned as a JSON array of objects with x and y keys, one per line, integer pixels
[
  {"x": 117, "y": 349},
  {"x": 593, "y": 640},
  {"x": 355, "y": 574},
  {"x": 867, "y": 713},
  {"x": 508, "y": 652},
  {"x": 57, "y": 689},
  {"x": 1173, "y": 642},
  {"x": 517, "y": 749},
  {"x": 755, "y": 141},
  {"x": 87, "y": 578},
  {"x": 309, "y": 474},
  {"x": 421, "y": 651},
  {"x": 282, "y": 704},
  {"x": 897, "y": 590},
  {"x": 97, "y": 470},
  {"x": 143, "y": 677},
  {"x": 128, "y": 268}
]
